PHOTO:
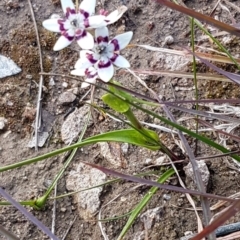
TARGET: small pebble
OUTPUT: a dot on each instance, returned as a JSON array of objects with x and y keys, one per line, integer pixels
[
  {"x": 66, "y": 97},
  {"x": 65, "y": 84},
  {"x": 148, "y": 161},
  {"x": 28, "y": 76},
  {"x": 166, "y": 197},
  {"x": 63, "y": 209},
  {"x": 51, "y": 82},
  {"x": 125, "y": 147},
  {"x": 3, "y": 122},
  {"x": 169, "y": 40}
]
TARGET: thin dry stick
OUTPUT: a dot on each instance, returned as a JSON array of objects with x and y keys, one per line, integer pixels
[
  {"x": 234, "y": 6},
  {"x": 232, "y": 236},
  {"x": 39, "y": 101},
  {"x": 54, "y": 210},
  {"x": 8, "y": 234},
  {"x": 112, "y": 200},
  {"x": 70, "y": 225}
]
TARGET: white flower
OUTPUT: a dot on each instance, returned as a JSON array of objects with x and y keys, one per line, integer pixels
[
  {"x": 75, "y": 23},
  {"x": 113, "y": 16},
  {"x": 104, "y": 54}
]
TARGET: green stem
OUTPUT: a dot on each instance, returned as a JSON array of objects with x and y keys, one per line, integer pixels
[
  {"x": 40, "y": 202},
  {"x": 31, "y": 203},
  {"x": 134, "y": 121}
]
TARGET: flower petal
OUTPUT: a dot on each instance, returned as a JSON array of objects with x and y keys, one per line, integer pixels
[
  {"x": 78, "y": 72},
  {"x": 88, "y": 6},
  {"x": 91, "y": 74},
  {"x": 83, "y": 63},
  {"x": 101, "y": 35},
  {"x": 105, "y": 70},
  {"x": 115, "y": 15},
  {"x": 61, "y": 43},
  {"x": 85, "y": 41},
  {"x": 87, "y": 81},
  {"x": 121, "y": 41},
  {"x": 96, "y": 22},
  {"x": 120, "y": 61},
  {"x": 67, "y": 4},
  {"x": 84, "y": 84},
  {"x": 52, "y": 25},
  {"x": 89, "y": 56}
]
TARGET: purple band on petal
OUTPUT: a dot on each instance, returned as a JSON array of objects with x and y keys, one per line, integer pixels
[
  {"x": 116, "y": 45},
  {"x": 66, "y": 35},
  {"x": 103, "y": 12},
  {"x": 91, "y": 58},
  {"x": 70, "y": 11},
  {"x": 86, "y": 23},
  {"x": 102, "y": 39},
  {"x": 114, "y": 57},
  {"x": 80, "y": 34},
  {"x": 84, "y": 13},
  {"x": 61, "y": 23},
  {"x": 101, "y": 64},
  {"x": 90, "y": 74}
]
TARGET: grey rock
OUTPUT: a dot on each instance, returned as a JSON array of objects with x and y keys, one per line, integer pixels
[
  {"x": 83, "y": 177},
  {"x": 112, "y": 153},
  {"x": 151, "y": 216},
  {"x": 8, "y": 67},
  {"x": 190, "y": 178},
  {"x": 74, "y": 124},
  {"x": 42, "y": 138},
  {"x": 66, "y": 97}
]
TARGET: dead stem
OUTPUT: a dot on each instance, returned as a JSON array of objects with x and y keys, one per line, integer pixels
[{"x": 39, "y": 103}]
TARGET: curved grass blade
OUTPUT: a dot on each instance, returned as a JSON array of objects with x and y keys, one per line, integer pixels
[
  {"x": 130, "y": 136},
  {"x": 204, "y": 114},
  {"x": 189, "y": 132},
  {"x": 219, "y": 221},
  {"x": 232, "y": 76},
  {"x": 40, "y": 202},
  {"x": 156, "y": 184},
  {"x": 144, "y": 202},
  {"x": 28, "y": 215},
  {"x": 201, "y": 17}
]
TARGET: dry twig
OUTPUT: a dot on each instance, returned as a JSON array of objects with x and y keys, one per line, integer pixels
[{"x": 39, "y": 103}]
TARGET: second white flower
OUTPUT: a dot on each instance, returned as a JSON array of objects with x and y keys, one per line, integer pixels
[{"x": 104, "y": 54}]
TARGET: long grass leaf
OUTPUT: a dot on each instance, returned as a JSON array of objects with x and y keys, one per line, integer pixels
[
  {"x": 144, "y": 202},
  {"x": 28, "y": 215}
]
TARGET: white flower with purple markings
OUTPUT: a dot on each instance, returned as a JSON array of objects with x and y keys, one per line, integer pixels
[
  {"x": 75, "y": 23},
  {"x": 103, "y": 56}
]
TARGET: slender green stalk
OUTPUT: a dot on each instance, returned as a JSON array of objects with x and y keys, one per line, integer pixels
[
  {"x": 30, "y": 203},
  {"x": 144, "y": 202},
  {"x": 134, "y": 121},
  {"x": 40, "y": 202},
  {"x": 189, "y": 132},
  {"x": 217, "y": 43}
]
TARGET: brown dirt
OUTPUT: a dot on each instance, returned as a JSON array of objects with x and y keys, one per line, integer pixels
[{"x": 151, "y": 23}]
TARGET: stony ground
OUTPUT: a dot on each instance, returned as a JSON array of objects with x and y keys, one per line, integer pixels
[{"x": 152, "y": 24}]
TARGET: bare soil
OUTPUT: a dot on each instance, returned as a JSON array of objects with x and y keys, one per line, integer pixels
[{"x": 151, "y": 24}]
